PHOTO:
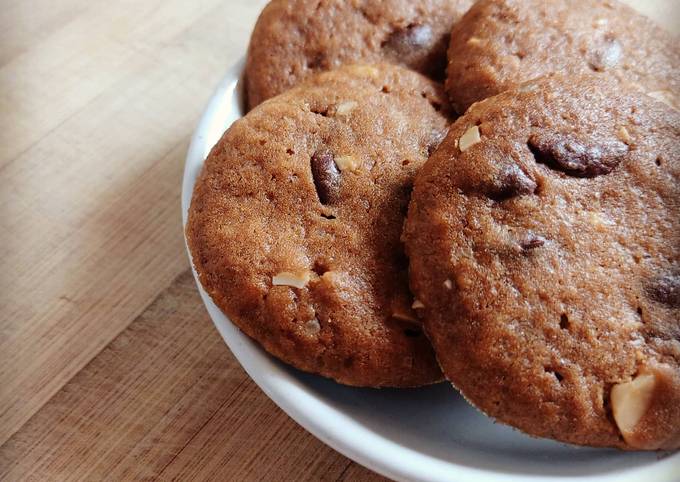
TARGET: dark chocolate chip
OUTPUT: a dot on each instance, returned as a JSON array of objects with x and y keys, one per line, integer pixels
[
  {"x": 564, "y": 321},
  {"x": 562, "y": 153},
  {"x": 511, "y": 182},
  {"x": 666, "y": 290},
  {"x": 412, "y": 37},
  {"x": 326, "y": 176}
]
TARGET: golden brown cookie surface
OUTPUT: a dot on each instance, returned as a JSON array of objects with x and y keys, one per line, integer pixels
[
  {"x": 501, "y": 43},
  {"x": 544, "y": 241},
  {"x": 294, "y": 39},
  {"x": 295, "y": 224}
]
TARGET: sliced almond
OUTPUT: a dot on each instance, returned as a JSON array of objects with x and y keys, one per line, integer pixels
[
  {"x": 347, "y": 163},
  {"x": 630, "y": 402},
  {"x": 624, "y": 135},
  {"x": 469, "y": 139},
  {"x": 312, "y": 326},
  {"x": 295, "y": 280},
  {"x": 367, "y": 70},
  {"x": 345, "y": 108}
]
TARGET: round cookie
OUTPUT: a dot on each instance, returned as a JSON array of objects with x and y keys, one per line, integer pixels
[
  {"x": 544, "y": 243},
  {"x": 295, "y": 224},
  {"x": 296, "y": 38},
  {"x": 501, "y": 43}
]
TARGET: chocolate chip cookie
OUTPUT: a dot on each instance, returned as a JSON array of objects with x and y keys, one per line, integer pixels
[
  {"x": 295, "y": 224},
  {"x": 501, "y": 43},
  {"x": 544, "y": 244},
  {"x": 296, "y": 38}
]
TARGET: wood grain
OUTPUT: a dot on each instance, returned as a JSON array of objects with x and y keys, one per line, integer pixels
[
  {"x": 98, "y": 380},
  {"x": 166, "y": 399},
  {"x": 90, "y": 167}
]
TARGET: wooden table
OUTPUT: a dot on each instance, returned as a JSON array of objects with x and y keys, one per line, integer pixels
[{"x": 109, "y": 365}]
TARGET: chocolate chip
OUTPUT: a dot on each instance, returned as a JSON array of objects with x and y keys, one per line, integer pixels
[
  {"x": 405, "y": 40},
  {"x": 326, "y": 176},
  {"x": 562, "y": 153},
  {"x": 511, "y": 182},
  {"x": 666, "y": 290},
  {"x": 532, "y": 242}
]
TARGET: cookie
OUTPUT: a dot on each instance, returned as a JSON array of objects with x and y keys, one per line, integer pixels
[
  {"x": 501, "y": 43},
  {"x": 295, "y": 224},
  {"x": 294, "y": 39},
  {"x": 544, "y": 244}
]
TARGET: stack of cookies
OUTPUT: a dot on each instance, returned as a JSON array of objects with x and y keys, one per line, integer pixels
[{"x": 528, "y": 251}]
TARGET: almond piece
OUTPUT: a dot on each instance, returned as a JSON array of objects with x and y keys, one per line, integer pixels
[
  {"x": 295, "y": 280},
  {"x": 347, "y": 163},
  {"x": 630, "y": 402},
  {"x": 469, "y": 139}
]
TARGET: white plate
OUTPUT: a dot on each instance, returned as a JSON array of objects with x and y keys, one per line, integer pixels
[{"x": 428, "y": 434}]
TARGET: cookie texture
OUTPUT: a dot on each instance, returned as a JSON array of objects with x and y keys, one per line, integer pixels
[
  {"x": 295, "y": 224},
  {"x": 544, "y": 243},
  {"x": 501, "y": 43},
  {"x": 294, "y": 39}
]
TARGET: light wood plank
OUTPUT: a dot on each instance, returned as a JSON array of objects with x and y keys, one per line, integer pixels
[
  {"x": 61, "y": 74},
  {"x": 90, "y": 229},
  {"x": 21, "y": 28},
  {"x": 166, "y": 399}
]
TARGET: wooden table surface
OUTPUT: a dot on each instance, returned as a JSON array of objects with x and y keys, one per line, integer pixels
[{"x": 109, "y": 365}]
